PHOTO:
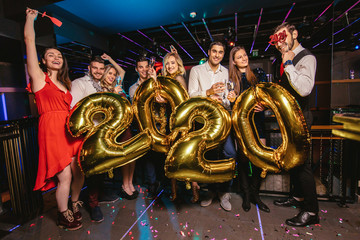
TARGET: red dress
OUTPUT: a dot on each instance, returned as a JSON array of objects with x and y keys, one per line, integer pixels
[{"x": 56, "y": 146}]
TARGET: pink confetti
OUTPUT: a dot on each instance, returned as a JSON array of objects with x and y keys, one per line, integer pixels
[
  {"x": 88, "y": 232},
  {"x": 296, "y": 235},
  {"x": 237, "y": 215},
  {"x": 41, "y": 216},
  {"x": 256, "y": 229},
  {"x": 33, "y": 224},
  {"x": 130, "y": 233}
]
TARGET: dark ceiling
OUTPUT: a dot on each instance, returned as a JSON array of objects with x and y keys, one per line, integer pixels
[{"x": 135, "y": 27}]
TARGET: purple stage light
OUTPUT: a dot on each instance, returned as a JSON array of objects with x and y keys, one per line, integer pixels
[
  {"x": 133, "y": 52},
  {"x": 287, "y": 15},
  {"x": 339, "y": 42},
  {"x": 207, "y": 29},
  {"x": 319, "y": 43},
  {"x": 176, "y": 41},
  {"x": 346, "y": 26},
  {"x": 126, "y": 62},
  {"x": 323, "y": 11},
  {"x": 152, "y": 40},
  {"x": 256, "y": 31},
  {"x": 130, "y": 59},
  {"x": 194, "y": 39},
  {"x": 135, "y": 43},
  {"x": 347, "y": 10}
]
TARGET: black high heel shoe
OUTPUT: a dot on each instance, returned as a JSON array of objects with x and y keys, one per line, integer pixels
[{"x": 127, "y": 196}]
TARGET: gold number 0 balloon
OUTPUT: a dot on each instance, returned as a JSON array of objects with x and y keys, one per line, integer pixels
[
  {"x": 186, "y": 160},
  {"x": 144, "y": 97},
  {"x": 100, "y": 152},
  {"x": 296, "y": 139}
]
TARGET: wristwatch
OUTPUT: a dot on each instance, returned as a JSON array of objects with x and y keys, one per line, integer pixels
[{"x": 288, "y": 62}]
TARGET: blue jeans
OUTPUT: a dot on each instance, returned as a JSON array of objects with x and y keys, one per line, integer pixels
[{"x": 229, "y": 151}]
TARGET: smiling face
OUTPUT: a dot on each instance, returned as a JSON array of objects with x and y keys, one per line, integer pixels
[
  {"x": 216, "y": 55},
  {"x": 96, "y": 70},
  {"x": 290, "y": 42},
  {"x": 142, "y": 68},
  {"x": 53, "y": 59},
  {"x": 110, "y": 76},
  {"x": 171, "y": 65},
  {"x": 241, "y": 60}
]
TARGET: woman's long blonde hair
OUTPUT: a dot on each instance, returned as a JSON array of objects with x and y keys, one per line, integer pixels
[
  {"x": 179, "y": 61},
  {"x": 104, "y": 85}
]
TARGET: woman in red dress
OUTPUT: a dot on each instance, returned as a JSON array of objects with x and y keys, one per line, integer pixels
[{"x": 57, "y": 165}]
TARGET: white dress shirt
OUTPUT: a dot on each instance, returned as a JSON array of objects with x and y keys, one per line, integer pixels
[
  {"x": 133, "y": 88},
  {"x": 202, "y": 77},
  {"x": 302, "y": 75},
  {"x": 80, "y": 88}
]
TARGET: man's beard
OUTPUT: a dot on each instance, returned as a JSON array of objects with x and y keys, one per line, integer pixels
[{"x": 289, "y": 46}]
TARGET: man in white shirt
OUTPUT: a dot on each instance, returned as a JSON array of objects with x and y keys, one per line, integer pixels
[
  {"x": 298, "y": 77},
  {"x": 90, "y": 83},
  {"x": 80, "y": 88},
  {"x": 209, "y": 80},
  {"x": 142, "y": 68}
]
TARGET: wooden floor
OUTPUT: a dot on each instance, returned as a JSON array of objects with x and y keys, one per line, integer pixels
[{"x": 163, "y": 219}]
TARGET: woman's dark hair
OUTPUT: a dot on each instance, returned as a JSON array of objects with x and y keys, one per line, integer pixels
[
  {"x": 235, "y": 74},
  {"x": 63, "y": 74}
]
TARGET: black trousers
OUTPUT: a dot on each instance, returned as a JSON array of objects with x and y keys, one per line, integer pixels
[
  {"x": 249, "y": 184},
  {"x": 303, "y": 180}
]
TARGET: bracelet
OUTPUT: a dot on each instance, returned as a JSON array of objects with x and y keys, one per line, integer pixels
[{"x": 288, "y": 62}]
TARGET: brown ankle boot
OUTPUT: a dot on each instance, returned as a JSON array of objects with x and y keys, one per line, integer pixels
[
  {"x": 66, "y": 220},
  {"x": 173, "y": 190},
  {"x": 76, "y": 210},
  {"x": 195, "y": 197}
]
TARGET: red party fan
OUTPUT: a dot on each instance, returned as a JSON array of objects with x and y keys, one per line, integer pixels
[{"x": 56, "y": 21}]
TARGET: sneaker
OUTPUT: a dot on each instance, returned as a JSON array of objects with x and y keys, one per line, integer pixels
[
  {"x": 225, "y": 201},
  {"x": 208, "y": 200},
  {"x": 67, "y": 221},
  {"x": 96, "y": 214},
  {"x": 109, "y": 198},
  {"x": 76, "y": 210}
]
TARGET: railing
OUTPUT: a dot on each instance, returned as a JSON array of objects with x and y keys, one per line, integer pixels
[
  {"x": 335, "y": 164},
  {"x": 19, "y": 153}
]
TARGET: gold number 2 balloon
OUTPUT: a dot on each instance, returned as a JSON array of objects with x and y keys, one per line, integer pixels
[
  {"x": 186, "y": 160},
  {"x": 144, "y": 98},
  {"x": 100, "y": 151},
  {"x": 296, "y": 138}
]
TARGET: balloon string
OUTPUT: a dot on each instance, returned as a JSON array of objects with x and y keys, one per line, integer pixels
[{"x": 250, "y": 167}]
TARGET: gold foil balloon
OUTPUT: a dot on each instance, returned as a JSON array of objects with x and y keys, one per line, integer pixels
[
  {"x": 186, "y": 160},
  {"x": 295, "y": 135},
  {"x": 100, "y": 151},
  {"x": 144, "y": 99}
]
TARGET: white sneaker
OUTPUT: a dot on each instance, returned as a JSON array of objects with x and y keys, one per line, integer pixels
[
  {"x": 208, "y": 200},
  {"x": 225, "y": 201}
]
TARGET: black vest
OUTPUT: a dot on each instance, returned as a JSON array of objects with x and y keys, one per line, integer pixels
[{"x": 284, "y": 82}]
